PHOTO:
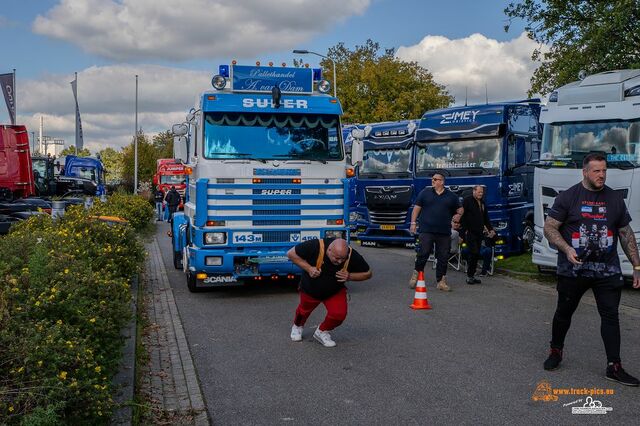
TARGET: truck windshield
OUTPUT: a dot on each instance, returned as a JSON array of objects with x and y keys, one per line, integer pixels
[
  {"x": 272, "y": 136},
  {"x": 460, "y": 157},
  {"x": 566, "y": 144},
  {"x": 172, "y": 179},
  {"x": 84, "y": 172},
  {"x": 383, "y": 162},
  {"x": 40, "y": 166}
]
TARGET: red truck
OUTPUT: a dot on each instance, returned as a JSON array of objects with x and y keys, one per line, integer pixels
[
  {"x": 17, "y": 179},
  {"x": 16, "y": 172},
  {"x": 168, "y": 174}
]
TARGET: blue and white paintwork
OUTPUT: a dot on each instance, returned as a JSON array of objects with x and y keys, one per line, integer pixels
[{"x": 264, "y": 176}]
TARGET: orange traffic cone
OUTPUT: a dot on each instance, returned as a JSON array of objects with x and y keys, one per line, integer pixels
[{"x": 420, "y": 299}]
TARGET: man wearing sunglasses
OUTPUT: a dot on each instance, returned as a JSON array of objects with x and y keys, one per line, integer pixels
[{"x": 433, "y": 212}]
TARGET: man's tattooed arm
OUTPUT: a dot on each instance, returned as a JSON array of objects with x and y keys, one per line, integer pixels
[
  {"x": 552, "y": 233},
  {"x": 629, "y": 245}
]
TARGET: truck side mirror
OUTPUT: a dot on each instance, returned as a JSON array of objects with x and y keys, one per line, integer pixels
[
  {"x": 357, "y": 152},
  {"x": 179, "y": 129},
  {"x": 180, "y": 149}
]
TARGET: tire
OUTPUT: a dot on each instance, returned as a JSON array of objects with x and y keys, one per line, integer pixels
[
  {"x": 191, "y": 283},
  {"x": 528, "y": 235},
  {"x": 177, "y": 260}
]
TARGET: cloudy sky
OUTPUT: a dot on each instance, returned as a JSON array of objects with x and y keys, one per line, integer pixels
[{"x": 176, "y": 46}]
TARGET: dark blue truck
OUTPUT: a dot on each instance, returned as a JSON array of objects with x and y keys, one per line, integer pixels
[
  {"x": 489, "y": 145},
  {"x": 384, "y": 187}
]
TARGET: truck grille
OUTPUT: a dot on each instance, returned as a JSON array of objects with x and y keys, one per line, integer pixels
[
  {"x": 275, "y": 236},
  {"x": 388, "y": 217}
]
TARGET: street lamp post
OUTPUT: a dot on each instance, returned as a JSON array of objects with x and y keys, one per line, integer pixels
[{"x": 335, "y": 82}]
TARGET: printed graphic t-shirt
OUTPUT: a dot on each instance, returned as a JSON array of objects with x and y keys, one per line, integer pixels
[
  {"x": 590, "y": 223},
  {"x": 326, "y": 285}
]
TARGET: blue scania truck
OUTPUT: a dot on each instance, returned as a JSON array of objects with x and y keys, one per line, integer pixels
[
  {"x": 492, "y": 145},
  {"x": 266, "y": 169},
  {"x": 384, "y": 189}
]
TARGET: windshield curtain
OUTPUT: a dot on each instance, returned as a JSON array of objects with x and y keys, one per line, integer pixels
[
  {"x": 386, "y": 161},
  {"x": 618, "y": 140},
  {"x": 459, "y": 154},
  {"x": 272, "y": 136},
  {"x": 172, "y": 179}
]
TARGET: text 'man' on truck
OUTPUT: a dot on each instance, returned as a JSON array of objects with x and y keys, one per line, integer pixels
[{"x": 267, "y": 170}]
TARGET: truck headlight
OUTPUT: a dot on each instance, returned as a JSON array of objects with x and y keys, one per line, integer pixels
[
  {"x": 213, "y": 260},
  {"x": 354, "y": 217},
  {"x": 500, "y": 225},
  {"x": 215, "y": 238},
  {"x": 334, "y": 234},
  {"x": 538, "y": 236}
]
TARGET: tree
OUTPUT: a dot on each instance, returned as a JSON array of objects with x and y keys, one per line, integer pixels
[
  {"x": 147, "y": 156},
  {"x": 375, "y": 86},
  {"x": 71, "y": 150},
  {"x": 113, "y": 163},
  {"x": 589, "y": 35},
  {"x": 163, "y": 143}
]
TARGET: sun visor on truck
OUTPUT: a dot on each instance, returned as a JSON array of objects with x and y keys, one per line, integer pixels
[{"x": 464, "y": 123}]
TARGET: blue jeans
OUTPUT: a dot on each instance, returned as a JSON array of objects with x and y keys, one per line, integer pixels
[{"x": 159, "y": 213}]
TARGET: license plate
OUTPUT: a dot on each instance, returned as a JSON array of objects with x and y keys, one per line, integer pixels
[
  {"x": 387, "y": 227},
  {"x": 247, "y": 237}
]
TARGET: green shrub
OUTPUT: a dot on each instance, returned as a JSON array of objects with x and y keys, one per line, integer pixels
[
  {"x": 64, "y": 297},
  {"x": 134, "y": 208}
]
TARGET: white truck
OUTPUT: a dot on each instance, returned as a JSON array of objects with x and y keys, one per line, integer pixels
[{"x": 600, "y": 113}]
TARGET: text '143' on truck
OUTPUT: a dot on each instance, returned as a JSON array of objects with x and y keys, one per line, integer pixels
[
  {"x": 267, "y": 168},
  {"x": 600, "y": 113},
  {"x": 384, "y": 190},
  {"x": 490, "y": 145}
]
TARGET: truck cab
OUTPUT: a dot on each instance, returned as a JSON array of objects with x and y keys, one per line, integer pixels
[
  {"x": 384, "y": 185},
  {"x": 490, "y": 145},
  {"x": 599, "y": 113},
  {"x": 266, "y": 170},
  {"x": 82, "y": 174}
]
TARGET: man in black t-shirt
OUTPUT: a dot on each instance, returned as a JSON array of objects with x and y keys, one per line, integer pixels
[
  {"x": 585, "y": 224},
  {"x": 323, "y": 281},
  {"x": 435, "y": 207}
]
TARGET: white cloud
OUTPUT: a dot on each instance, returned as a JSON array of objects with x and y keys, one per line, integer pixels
[
  {"x": 106, "y": 96},
  {"x": 127, "y": 30},
  {"x": 471, "y": 62}
]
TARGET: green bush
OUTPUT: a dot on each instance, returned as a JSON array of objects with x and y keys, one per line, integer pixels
[
  {"x": 64, "y": 297},
  {"x": 134, "y": 208}
]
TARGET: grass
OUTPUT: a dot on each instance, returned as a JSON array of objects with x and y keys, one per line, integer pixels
[{"x": 522, "y": 267}]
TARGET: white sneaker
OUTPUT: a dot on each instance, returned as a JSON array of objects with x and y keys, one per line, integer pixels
[
  {"x": 296, "y": 333},
  {"x": 324, "y": 337}
]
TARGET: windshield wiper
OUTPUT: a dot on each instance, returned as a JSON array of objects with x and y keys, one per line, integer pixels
[
  {"x": 622, "y": 164},
  {"x": 301, "y": 156},
  {"x": 242, "y": 155},
  {"x": 435, "y": 170},
  {"x": 372, "y": 175}
]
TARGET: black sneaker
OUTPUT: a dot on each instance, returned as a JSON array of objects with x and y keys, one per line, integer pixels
[
  {"x": 616, "y": 373},
  {"x": 484, "y": 274},
  {"x": 553, "y": 362},
  {"x": 473, "y": 280}
]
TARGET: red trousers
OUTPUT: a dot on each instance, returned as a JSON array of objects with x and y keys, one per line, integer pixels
[{"x": 336, "y": 309}]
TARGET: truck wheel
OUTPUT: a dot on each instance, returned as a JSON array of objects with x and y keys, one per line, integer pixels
[
  {"x": 528, "y": 235},
  {"x": 191, "y": 283},
  {"x": 177, "y": 260}
]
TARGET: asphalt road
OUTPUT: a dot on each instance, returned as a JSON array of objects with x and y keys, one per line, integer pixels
[{"x": 475, "y": 358}]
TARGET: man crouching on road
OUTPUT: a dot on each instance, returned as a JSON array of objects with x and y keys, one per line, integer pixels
[{"x": 327, "y": 265}]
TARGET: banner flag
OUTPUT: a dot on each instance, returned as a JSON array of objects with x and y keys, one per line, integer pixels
[
  {"x": 79, "y": 140},
  {"x": 9, "y": 94}
]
